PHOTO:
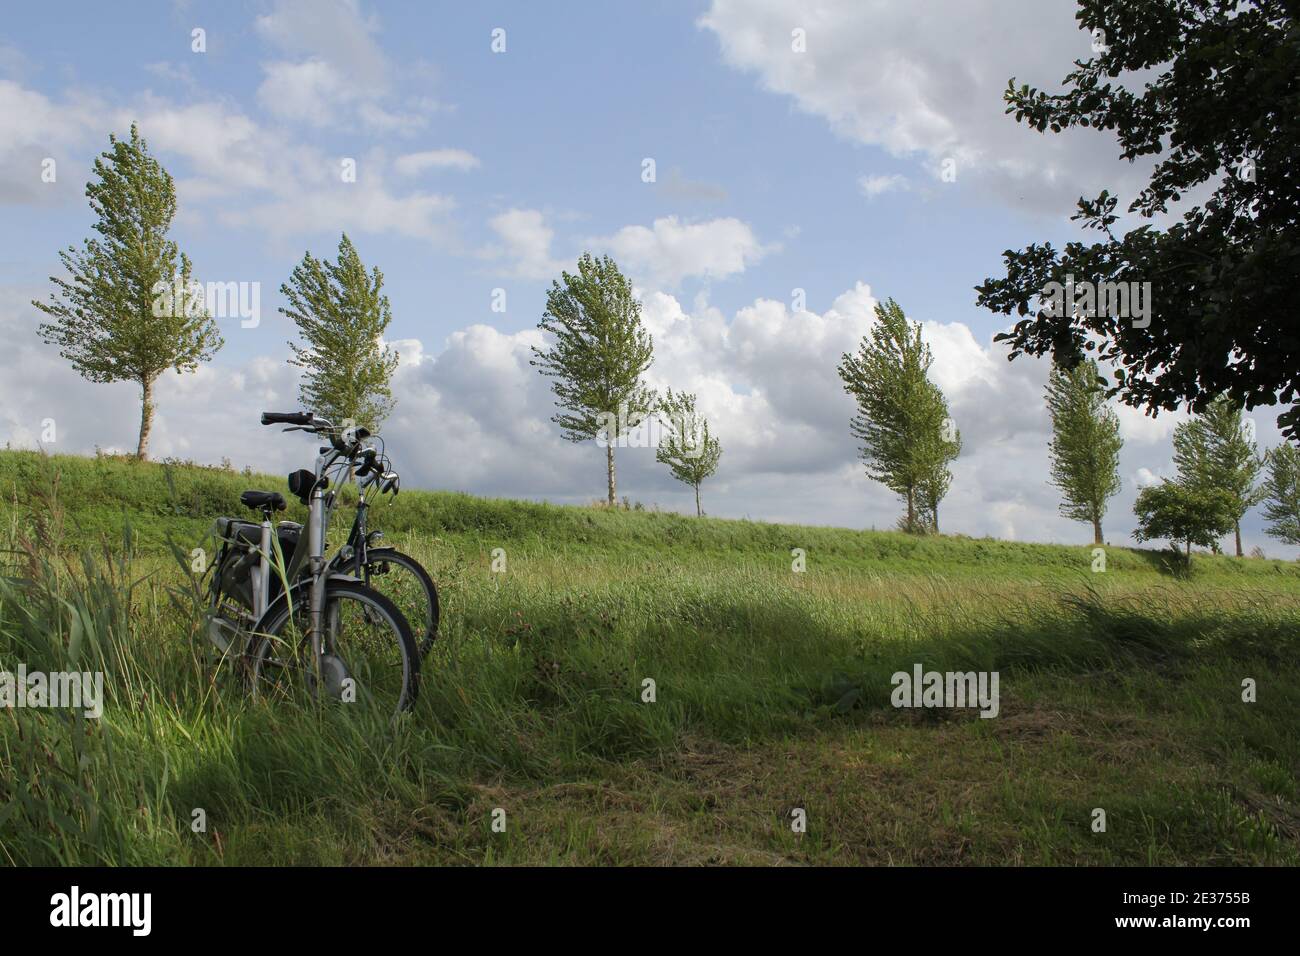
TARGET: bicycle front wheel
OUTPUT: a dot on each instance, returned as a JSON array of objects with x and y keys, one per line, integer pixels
[
  {"x": 402, "y": 579},
  {"x": 368, "y": 654}
]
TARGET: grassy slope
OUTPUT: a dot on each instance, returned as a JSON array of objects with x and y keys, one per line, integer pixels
[
  {"x": 1119, "y": 690},
  {"x": 101, "y": 496}
]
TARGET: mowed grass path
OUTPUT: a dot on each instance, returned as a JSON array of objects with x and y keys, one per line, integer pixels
[{"x": 1120, "y": 691}]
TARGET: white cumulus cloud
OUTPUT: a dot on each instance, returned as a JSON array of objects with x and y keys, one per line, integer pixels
[{"x": 669, "y": 250}]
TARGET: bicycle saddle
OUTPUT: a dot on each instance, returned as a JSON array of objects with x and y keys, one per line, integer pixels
[{"x": 263, "y": 499}]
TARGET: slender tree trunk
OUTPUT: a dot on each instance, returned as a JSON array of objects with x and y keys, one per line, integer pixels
[
  {"x": 1189, "y": 549},
  {"x": 698, "y": 512},
  {"x": 1096, "y": 531},
  {"x": 911, "y": 510},
  {"x": 146, "y": 419},
  {"x": 609, "y": 464},
  {"x": 934, "y": 514},
  {"x": 1238, "y": 528}
]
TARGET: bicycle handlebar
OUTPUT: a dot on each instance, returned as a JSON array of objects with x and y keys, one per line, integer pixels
[
  {"x": 345, "y": 443},
  {"x": 287, "y": 418}
]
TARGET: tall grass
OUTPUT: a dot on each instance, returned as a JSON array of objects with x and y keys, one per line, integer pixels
[{"x": 770, "y": 687}]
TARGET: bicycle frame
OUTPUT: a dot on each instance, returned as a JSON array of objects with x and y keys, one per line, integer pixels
[
  {"x": 354, "y": 554},
  {"x": 261, "y": 572},
  {"x": 317, "y": 521}
]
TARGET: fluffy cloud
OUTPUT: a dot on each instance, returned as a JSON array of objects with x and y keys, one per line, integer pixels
[
  {"x": 343, "y": 74},
  {"x": 309, "y": 91},
  {"x": 660, "y": 256},
  {"x": 286, "y": 187},
  {"x": 34, "y": 128},
  {"x": 328, "y": 207},
  {"x": 525, "y": 244},
  {"x": 669, "y": 250},
  {"x": 335, "y": 30},
  {"x": 925, "y": 81}
]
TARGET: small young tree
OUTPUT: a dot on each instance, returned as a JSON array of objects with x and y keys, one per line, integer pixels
[
  {"x": 1085, "y": 443},
  {"x": 1282, "y": 493},
  {"x": 341, "y": 314},
  {"x": 687, "y": 447},
  {"x": 1216, "y": 449},
  {"x": 132, "y": 309},
  {"x": 1181, "y": 512},
  {"x": 599, "y": 355},
  {"x": 902, "y": 420}
]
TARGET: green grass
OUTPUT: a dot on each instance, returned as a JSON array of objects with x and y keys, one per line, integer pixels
[{"x": 1119, "y": 691}]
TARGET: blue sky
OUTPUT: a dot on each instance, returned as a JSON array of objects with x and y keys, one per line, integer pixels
[
  {"x": 561, "y": 122},
  {"x": 776, "y": 169}
]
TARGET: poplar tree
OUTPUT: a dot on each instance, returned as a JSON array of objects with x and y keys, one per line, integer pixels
[
  {"x": 599, "y": 353},
  {"x": 131, "y": 309},
  {"x": 902, "y": 419},
  {"x": 342, "y": 314},
  {"x": 1085, "y": 443}
]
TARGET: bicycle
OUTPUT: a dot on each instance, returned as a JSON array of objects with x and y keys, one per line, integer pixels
[{"x": 289, "y": 614}]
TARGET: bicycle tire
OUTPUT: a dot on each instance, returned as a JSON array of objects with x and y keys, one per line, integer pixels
[
  {"x": 371, "y": 602},
  {"x": 424, "y": 639}
]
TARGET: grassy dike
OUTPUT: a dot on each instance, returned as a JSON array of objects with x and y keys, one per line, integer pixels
[{"x": 1119, "y": 691}]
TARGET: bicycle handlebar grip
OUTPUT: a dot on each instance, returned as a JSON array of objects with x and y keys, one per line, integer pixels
[
  {"x": 367, "y": 464},
  {"x": 287, "y": 418}
]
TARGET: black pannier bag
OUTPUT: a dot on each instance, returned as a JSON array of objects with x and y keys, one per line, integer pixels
[{"x": 240, "y": 541}]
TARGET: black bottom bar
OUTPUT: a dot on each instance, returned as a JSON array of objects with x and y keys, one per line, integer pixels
[{"x": 925, "y": 905}]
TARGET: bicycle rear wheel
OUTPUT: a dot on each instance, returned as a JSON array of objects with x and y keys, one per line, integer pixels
[
  {"x": 368, "y": 653},
  {"x": 403, "y": 580}
]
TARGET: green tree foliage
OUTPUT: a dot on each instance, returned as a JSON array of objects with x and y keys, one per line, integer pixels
[
  {"x": 1181, "y": 512},
  {"x": 688, "y": 448},
  {"x": 1213, "y": 93},
  {"x": 599, "y": 353},
  {"x": 941, "y": 448},
  {"x": 1085, "y": 443},
  {"x": 1282, "y": 493},
  {"x": 906, "y": 434},
  {"x": 131, "y": 308},
  {"x": 1216, "y": 449},
  {"x": 341, "y": 313}
]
